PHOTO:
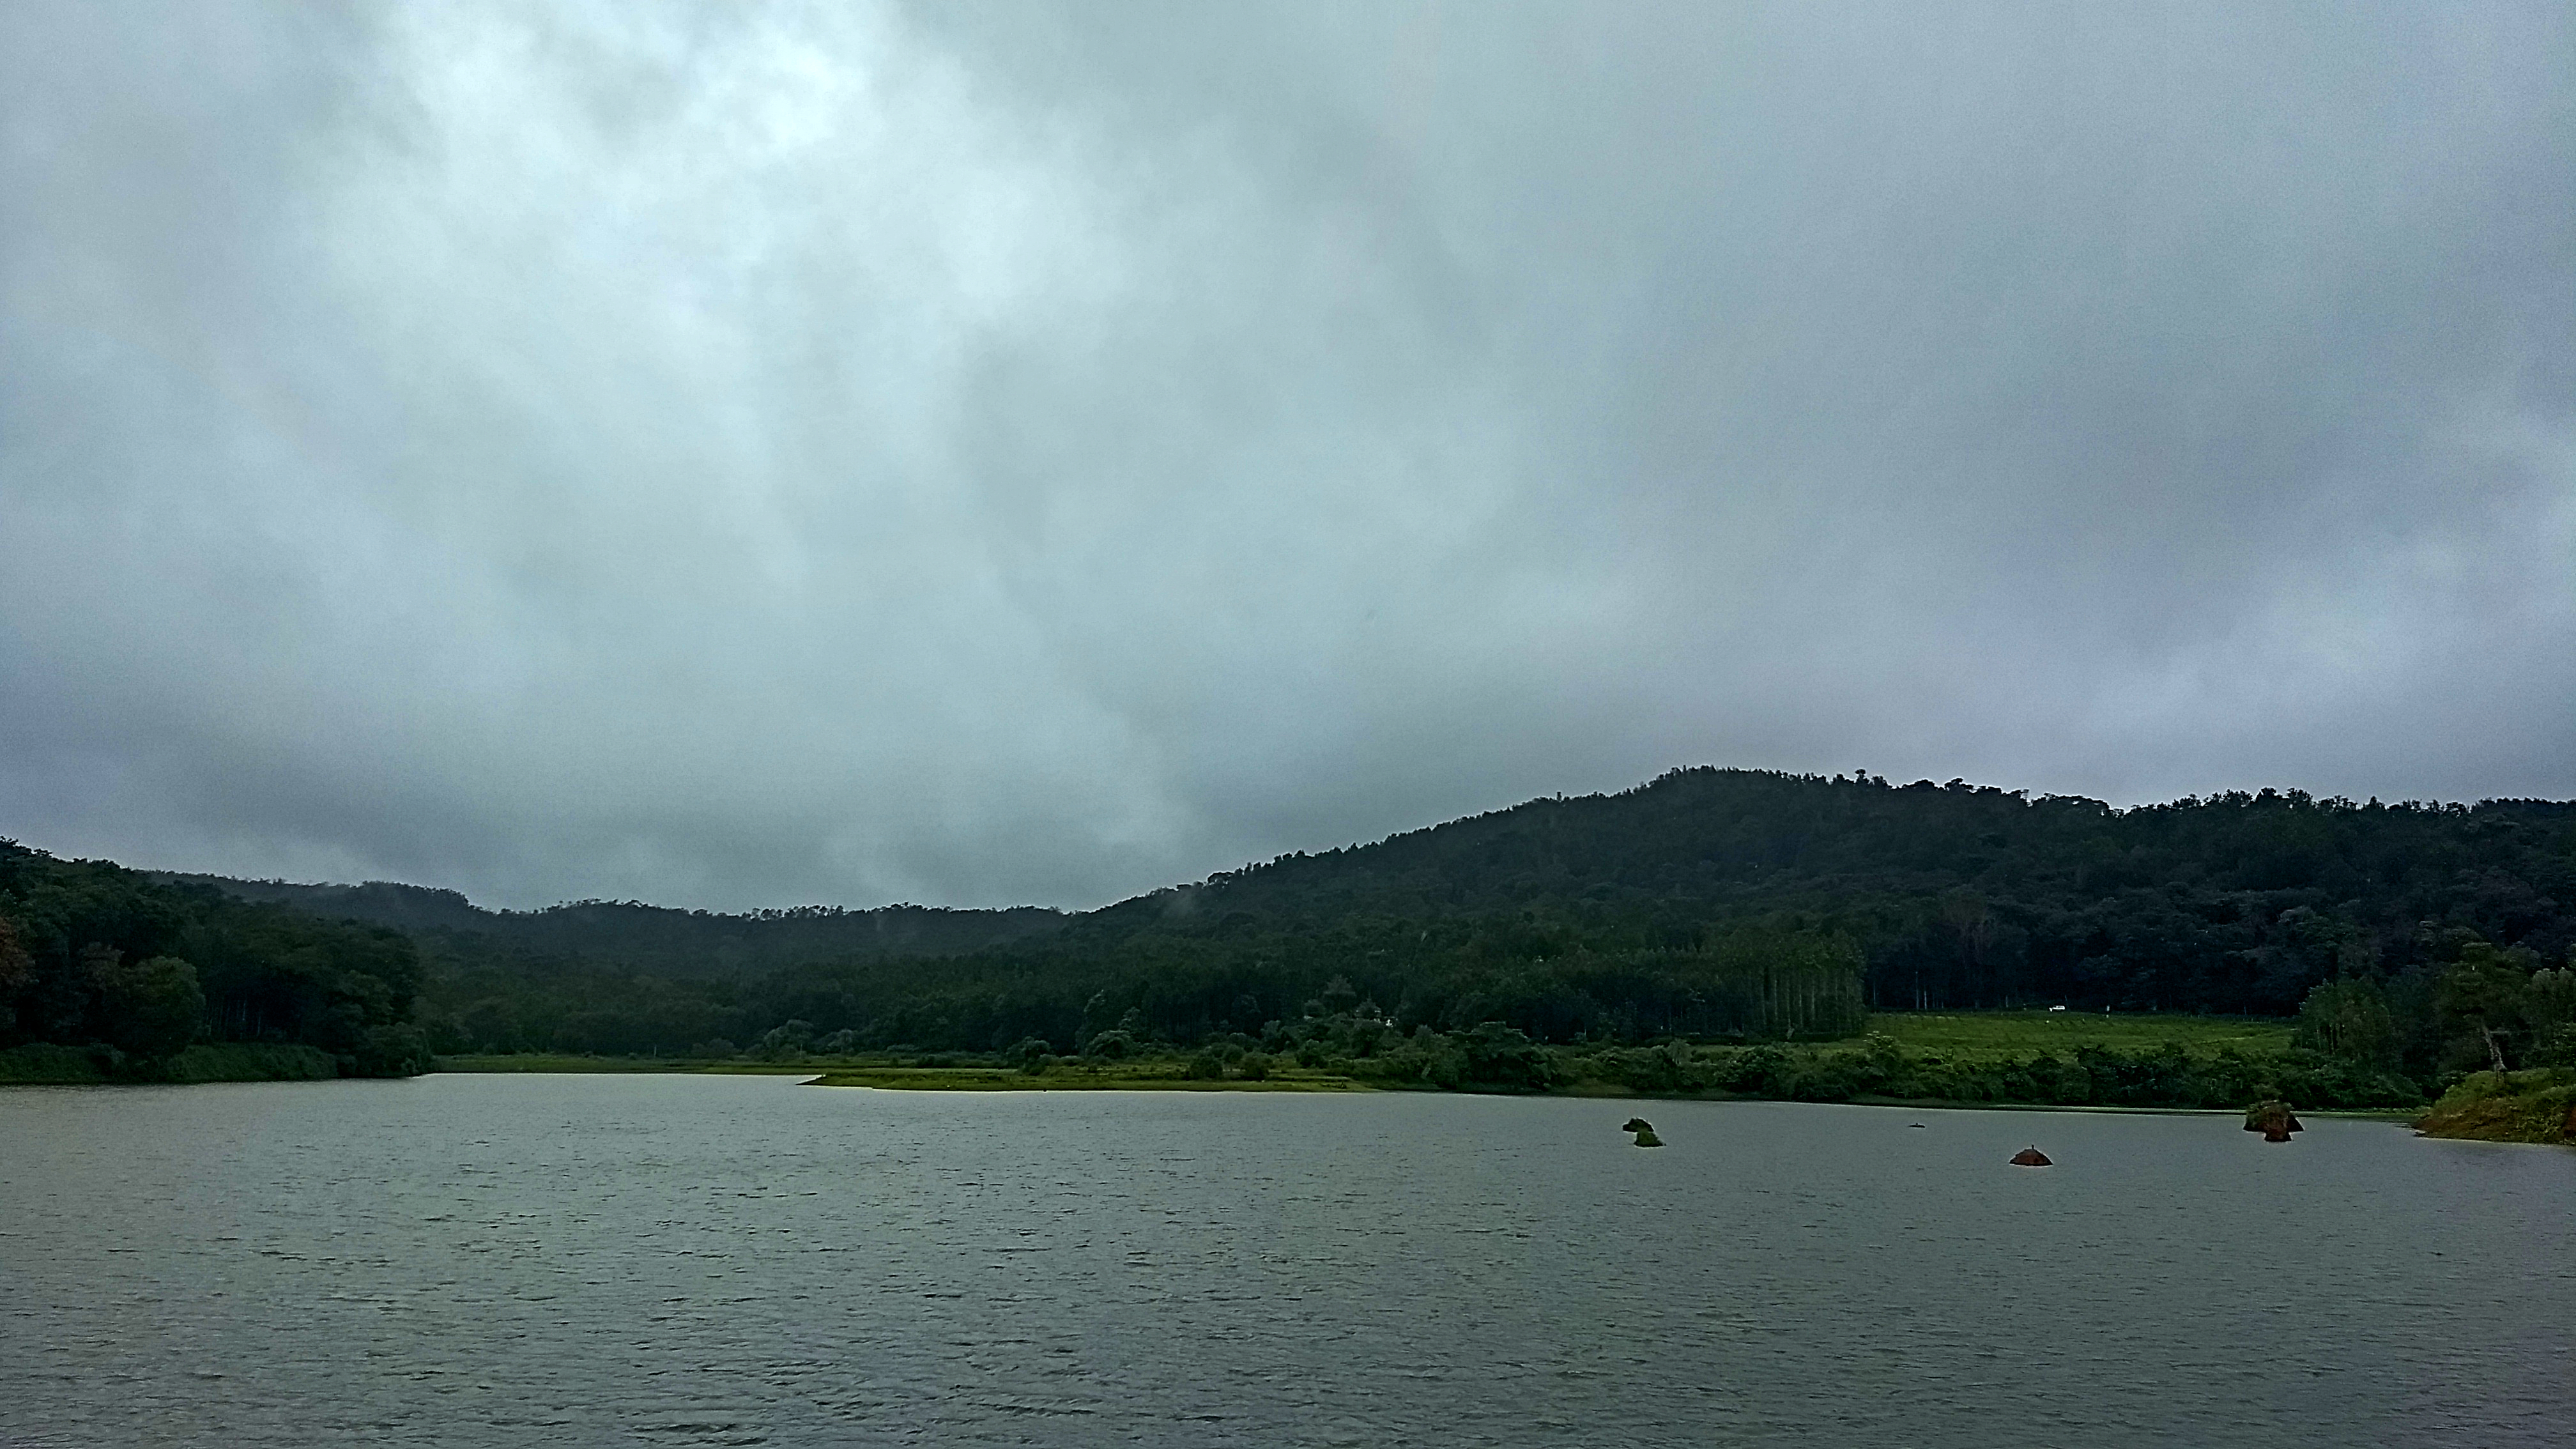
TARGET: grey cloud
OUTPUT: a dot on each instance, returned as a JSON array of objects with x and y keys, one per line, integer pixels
[{"x": 757, "y": 454}]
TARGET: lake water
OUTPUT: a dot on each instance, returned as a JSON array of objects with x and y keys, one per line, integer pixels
[{"x": 473, "y": 1260}]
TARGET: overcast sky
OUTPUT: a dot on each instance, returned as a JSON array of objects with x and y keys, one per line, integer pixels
[{"x": 737, "y": 455}]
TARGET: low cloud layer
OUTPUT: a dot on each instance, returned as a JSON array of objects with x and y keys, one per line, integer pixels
[{"x": 755, "y": 454}]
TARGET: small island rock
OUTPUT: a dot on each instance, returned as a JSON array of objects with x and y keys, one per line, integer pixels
[
  {"x": 2030, "y": 1157},
  {"x": 2273, "y": 1119}
]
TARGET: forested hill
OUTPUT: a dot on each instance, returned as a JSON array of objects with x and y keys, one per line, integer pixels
[
  {"x": 1721, "y": 903},
  {"x": 655, "y": 940},
  {"x": 1961, "y": 895},
  {"x": 127, "y": 975},
  {"x": 1676, "y": 907},
  {"x": 1713, "y": 904}
]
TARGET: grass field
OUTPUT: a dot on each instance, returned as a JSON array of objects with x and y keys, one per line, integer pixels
[{"x": 1968, "y": 1035}]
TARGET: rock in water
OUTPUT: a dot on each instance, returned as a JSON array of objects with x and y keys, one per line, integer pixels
[
  {"x": 1646, "y": 1138},
  {"x": 1636, "y": 1124},
  {"x": 2273, "y": 1119},
  {"x": 2030, "y": 1157}
]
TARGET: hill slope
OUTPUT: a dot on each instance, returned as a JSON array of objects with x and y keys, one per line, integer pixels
[
  {"x": 632, "y": 936},
  {"x": 1968, "y": 896},
  {"x": 1708, "y": 902},
  {"x": 126, "y": 976}
]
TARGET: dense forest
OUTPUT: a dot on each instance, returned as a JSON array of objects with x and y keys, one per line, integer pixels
[
  {"x": 133, "y": 973},
  {"x": 1714, "y": 906},
  {"x": 630, "y": 936},
  {"x": 1639, "y": 915},
  {"x": 1710, "y": 904}
]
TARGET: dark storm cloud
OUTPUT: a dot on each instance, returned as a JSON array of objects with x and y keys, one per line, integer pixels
[{"x": 740, "y": 455}]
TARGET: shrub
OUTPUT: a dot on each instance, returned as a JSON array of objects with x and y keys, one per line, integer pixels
[{"x": 388, "y": 1051}]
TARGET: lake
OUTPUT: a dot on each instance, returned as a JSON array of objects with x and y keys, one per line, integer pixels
[{"x": 521, "y": 1260}]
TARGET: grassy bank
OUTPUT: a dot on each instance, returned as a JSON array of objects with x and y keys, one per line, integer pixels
[
  {"x": 44, "y": 1065},
  {"x": 2535, "y": 1106}
]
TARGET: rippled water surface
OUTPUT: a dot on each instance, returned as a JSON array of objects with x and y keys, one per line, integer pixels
[{"x": 468, "y": 1260}]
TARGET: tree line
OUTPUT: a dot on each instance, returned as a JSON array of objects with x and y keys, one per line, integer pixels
[
  {"x": 133, "y": 972},
  {"x": 1715, "y": 906},
  {"x": 1650, "y": 914}
]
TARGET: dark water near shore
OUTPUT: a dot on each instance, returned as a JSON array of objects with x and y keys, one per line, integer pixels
[{"x": 694, "y": 1260}]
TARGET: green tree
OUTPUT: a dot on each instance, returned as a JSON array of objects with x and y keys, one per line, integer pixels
[
  {"x": 788, "y": 1039},
  {"x": 17, "y": 974},
  {"x": 2480, "y": 1001},
  {"x": 396, "y": 1049},
  {"x": 2549, "y": 1011},
  {"x": 2350, "y": 1020},
  {"x": 1502, "y": 1056},
  {"x": 150, "y": 1008}
]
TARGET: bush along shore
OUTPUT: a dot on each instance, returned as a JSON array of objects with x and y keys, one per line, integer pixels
[
  {"x": 2538, "y": 1105},
  {"x": 1355, "y": 1052},
  {"x": 45, "y": 1064},
  {"x": 2169, "y": 1076}
]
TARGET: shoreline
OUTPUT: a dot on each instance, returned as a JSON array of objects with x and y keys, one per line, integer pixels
[
  {"x": 47, "y": 1065},
  {"x": 888, "y": 1077}
]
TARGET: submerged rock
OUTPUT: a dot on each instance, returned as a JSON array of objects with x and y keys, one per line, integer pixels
[{"x": 2030, "y": 1157}]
